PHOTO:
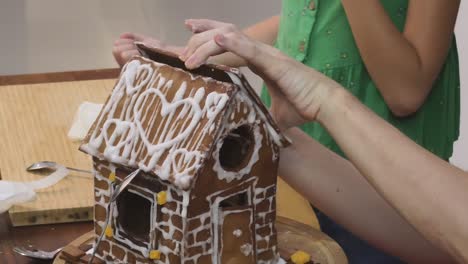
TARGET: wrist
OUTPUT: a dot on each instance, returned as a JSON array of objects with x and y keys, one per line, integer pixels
[{"x": 335, "y": 103}]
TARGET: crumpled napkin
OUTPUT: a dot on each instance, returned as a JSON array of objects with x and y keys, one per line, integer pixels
[
  {"x": 84, "y": 118},
  {"x": 12, "y": 193}
]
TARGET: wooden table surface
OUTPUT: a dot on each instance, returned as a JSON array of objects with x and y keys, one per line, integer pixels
[
  {"x": 47, "y": 237},
  {"x": 50, "y": 237}
]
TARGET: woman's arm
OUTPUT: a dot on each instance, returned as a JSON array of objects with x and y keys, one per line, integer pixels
[
  {"x": 403, "y": 65},
  {"x": 428, "y": 192},
  {"x": 425, "y": 190},
  {"x": 337, "y": 188}
]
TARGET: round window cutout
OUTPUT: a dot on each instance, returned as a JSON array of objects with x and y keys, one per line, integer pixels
[{"x": 236, "y": 149}]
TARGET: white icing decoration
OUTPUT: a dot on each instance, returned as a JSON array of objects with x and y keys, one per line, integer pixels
[
  {"x": 176, "y": 156},
  {"x": 155, "y": 225},
  {"x": 246, "y": 249},
  {"x": 217, "y": 215},
  {"x": 237, "y": 233},
  {"x": 258, "y": 196},
  {"x": 276, "y": 137},
  {"x": 170, "y": 155},
  {"x": 144, "y": 251},
  {"x": 251, "y": 121}
]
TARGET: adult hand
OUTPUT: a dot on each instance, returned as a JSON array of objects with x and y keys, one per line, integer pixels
[
  {"x": 202, "y": 45},
  {"x": 297, "y": 91},
  {"x": 124, "y": 47}
]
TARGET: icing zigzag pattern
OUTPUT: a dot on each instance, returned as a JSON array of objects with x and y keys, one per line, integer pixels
[{"x": 151, "y": 123}]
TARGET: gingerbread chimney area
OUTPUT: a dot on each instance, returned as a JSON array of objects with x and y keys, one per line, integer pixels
[{"x": 208, "y": 151}]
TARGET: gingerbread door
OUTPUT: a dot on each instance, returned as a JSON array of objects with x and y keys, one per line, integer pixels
[{"x": 236, "y": 239}]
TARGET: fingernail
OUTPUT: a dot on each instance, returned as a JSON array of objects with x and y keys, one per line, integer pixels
[
  {"x": 183, "y": 55},
  {"x": 192, "y": 63},
  {"x": 220, "y": 39},
  {"x": 188, "y": 24}
]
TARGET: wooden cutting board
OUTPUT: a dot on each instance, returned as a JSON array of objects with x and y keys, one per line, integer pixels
[
  {"x": 34, "y": 122},
  {"x": 292, "y": 236}
]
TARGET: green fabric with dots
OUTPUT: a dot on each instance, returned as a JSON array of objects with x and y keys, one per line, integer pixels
[{"x": 321, "y": 38}]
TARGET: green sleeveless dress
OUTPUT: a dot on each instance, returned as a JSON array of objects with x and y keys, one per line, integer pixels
[{"x": 317, "y": 33}]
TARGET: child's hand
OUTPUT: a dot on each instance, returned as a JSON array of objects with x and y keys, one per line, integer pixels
[
  {"x": 124, "y": 47},
  {"x": 202, "y": 45},
  {"x": 297, "y": 91}
]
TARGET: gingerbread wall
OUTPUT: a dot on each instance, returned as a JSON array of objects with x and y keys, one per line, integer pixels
[
  {"x": 266, "y": 242},
  {"x": 169, "y": 226},
  {"x": 260, "y": 175}
]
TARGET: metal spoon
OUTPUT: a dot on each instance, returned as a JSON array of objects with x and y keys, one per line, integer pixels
[
  {"x": 51, "y": 165},
  {"x": 123, "y": 185},
  {"x": 36, "y": 253},
  {"x": 118, "y": 189}
]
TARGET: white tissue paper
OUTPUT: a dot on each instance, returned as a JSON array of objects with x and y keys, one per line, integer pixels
[
  {"x": 12, "y": 193},
  {"x": 84, "y": 117},
  {"x": 281, "y": 261}
]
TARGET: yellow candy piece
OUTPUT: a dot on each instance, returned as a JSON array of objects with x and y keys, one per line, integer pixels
[
  {"x": 162, "y": 197},
  {"x": 109, "y": 232},
  {"x": 112, "y": 177},
  {"x": 300, "y": 257},
  {"x": 155, "y": 254}
]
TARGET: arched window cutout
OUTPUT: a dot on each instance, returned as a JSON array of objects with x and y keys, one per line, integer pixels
[{"x": 237, "y": 148}]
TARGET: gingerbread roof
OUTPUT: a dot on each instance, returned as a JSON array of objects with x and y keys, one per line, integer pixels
[{"x": 164, "y": 119}]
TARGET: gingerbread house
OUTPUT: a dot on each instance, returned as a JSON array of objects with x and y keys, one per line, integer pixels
[{"x": 208, "y": 151}]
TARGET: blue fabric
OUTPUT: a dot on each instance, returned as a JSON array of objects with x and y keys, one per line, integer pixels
[{"x": 357, "y": 250}]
